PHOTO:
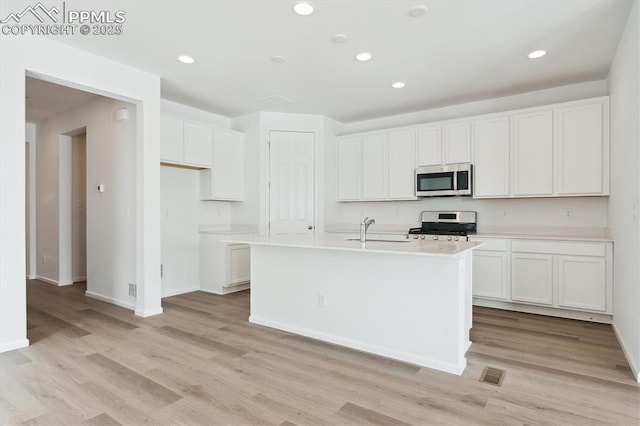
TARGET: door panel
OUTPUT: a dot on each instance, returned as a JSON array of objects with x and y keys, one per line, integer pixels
[{"x": 292, "y": 189}]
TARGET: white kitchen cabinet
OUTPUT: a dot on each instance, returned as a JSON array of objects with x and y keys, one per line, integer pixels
[
  {"x": 349, "y": 168},
  {"x": 457, "y": 143},
  {"x": 225, "y": 179},
  {"x": 224, "y": 267},
  {"x": 198, "y": 145},
  {"x": 185, "y": 144},
  {"x": 580, "y": 283},
  {"x": 374, "y": 167},
  {"x": 238, "y": 264},
  {"x": 402, "y": 163},
  {"x": 430, "y": 146},
  {"x": 532, "y": 144},
  {"x": 491, "y": 269},
  {"x": 582, "y": 148},
  {"x": 171, "y": 140},
  {"x": 491, "y": 153},
  {"x": 532, "y": 278}
]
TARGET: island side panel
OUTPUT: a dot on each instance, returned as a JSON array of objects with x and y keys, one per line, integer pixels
[{"x": 411, "y": 308}]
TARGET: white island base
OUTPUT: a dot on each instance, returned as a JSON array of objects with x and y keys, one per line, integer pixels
[{"x": 413, "y": 304}]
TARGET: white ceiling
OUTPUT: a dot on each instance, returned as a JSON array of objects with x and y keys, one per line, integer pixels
[{"x": 459, "y": 51}]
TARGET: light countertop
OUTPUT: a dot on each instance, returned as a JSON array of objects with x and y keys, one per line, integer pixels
[
  {"x": 228, "y": 229},
  {"x": 406, "y": 247}
]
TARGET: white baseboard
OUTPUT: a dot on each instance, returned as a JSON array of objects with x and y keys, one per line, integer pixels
[
  {"x": 31, "y": 277},
  {"x": 227, "y": 290},
  {"x": 543, "y": 310},
  {"x": 79, "y": 279},
  {"x": 149, "y": 312},
  {"x": 16, "y": 344},
  {"x": 54, "y": 282},
  {"x": 364, "y": 346},
  {"x": 109, "y": 300},
  {"x": 179, "y": 291},
  {"x": 635, "y": 369}
]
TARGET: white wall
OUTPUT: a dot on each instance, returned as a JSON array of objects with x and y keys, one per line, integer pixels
[
  {"x": 30, "y": 204},
  {"x": 79, "y": 208},
  {"x": 182, "y": 212},
  {"x": 56, "y": 62},
  {"x": 624, "y": 202},
  {"x": 111, "y": 226},
  {"x": 588, "y": 212}
]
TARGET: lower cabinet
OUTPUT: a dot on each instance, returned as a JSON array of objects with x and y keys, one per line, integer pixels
[
  {"x": 224, "y": 267},
  {"x": 532, "y": 278},
  {"x": 559, "y": 277}
]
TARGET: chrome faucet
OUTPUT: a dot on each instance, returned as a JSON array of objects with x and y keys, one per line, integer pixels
[{"x": 364, "y": 225}]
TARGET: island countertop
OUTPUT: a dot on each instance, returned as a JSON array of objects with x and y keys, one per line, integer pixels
[{"x": 403, "y": 247}]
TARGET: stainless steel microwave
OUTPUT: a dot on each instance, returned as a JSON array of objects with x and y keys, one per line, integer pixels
[{"x": 442, "y": 181}]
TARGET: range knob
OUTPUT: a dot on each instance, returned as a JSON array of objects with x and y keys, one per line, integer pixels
[
  {"x": 456, "y": 238},
  {"x": 415, "y": 237},
  {"x": 423, "y": 236},
  {"x": 435, "y": 237},
  {"x": 449, "y": 238}
]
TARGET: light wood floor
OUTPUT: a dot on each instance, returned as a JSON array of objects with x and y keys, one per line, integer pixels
[{"x": 201, "y": 363}]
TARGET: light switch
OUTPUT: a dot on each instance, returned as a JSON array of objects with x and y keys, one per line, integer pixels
[{"x": 100, "y": 188}]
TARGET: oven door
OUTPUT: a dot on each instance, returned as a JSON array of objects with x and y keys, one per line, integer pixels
[{"x": 431, "y": 183}]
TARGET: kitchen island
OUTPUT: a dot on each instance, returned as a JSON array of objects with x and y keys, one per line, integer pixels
[{"x": 409, "y": 300}]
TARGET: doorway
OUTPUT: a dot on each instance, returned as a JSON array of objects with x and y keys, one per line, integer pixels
[
  {"x": 78, "y": 207},
  {"x": 291, "y": 183}
]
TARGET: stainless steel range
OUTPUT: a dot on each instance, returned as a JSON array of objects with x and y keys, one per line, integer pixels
[{"x": 447, "y": 226}]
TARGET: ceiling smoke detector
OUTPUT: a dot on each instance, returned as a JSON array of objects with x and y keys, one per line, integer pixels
[{"x": 417, "y": 11}]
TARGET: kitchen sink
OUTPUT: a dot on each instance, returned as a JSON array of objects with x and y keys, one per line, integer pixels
[{"x": 379, "y": 240}]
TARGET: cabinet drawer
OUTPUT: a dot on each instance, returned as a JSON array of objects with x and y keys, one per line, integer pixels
[
  {"x": 559, "y": 247},
  {"x": 491, "y": 244}
]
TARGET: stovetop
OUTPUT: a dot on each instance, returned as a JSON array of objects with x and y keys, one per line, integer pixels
[{"x": 446, "y": 224}]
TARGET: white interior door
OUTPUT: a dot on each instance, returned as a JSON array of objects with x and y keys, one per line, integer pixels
[{"x": 291, "y": 183}]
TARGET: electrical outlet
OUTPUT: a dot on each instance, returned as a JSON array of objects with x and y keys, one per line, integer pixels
[
  {"x": 505, "y": 213},
  {"x": 133, "y": 290},
  {"x": 568, "y": 213},
  {"x": 44, "y": 258},
  {"x": 322, "y": 300}
]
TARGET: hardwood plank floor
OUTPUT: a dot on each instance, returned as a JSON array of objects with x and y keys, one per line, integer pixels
[{"x": 201, "y": 362}]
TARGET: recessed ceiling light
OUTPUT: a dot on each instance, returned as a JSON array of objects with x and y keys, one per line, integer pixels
[
  {"x": 339, "y": 38},
  {"x": 303, "y": 9},
  {"x": 278, "y": 59},
  {"x": 363, "y": 56},
  {"x": 537, "y": 54},
  {"x": 416, "y": 11},
  {"x": 186, "y": 59},
  {"x": 398, "y": 84}
]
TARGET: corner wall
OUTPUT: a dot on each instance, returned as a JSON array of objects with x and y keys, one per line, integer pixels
[
  {"x": 59, "y": 63},
  {"x": 624, "y": 202}
]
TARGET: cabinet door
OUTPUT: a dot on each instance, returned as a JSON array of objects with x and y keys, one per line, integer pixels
[
  {"x": 238, "y": 262},
  {"x": 532, "y": 278},
  {"x": 171, "y": 140},
  {"x": 374, "y": 167},
  {"x": 430, "y": 146},
  {"x": 349, "y": 179},
  {"x": 491, "y": 152},
  {"x": 490, "y": 275},
  {"x": 198, "y": 145},
  {"x": 457, "y": 143},
  {"x": 533, "y": 154},
  {"x": 580, "y": 149},
  {"x": 402, "y": 163},
  {"x": 228, "y": 171},
  {"x": 582, "y": 283}
]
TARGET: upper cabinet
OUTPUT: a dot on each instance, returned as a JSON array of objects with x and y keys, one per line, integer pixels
[
  {"x": 186, "y": 144},
  {"x": 377, "y": 166},
  {"x": 556, "y": 151},
  {"x": 444, "y": 144},
  {"x": 219, "y": 153},
  {"x": 582, "y": 148},
  {"x": 225, "y": 179}
]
